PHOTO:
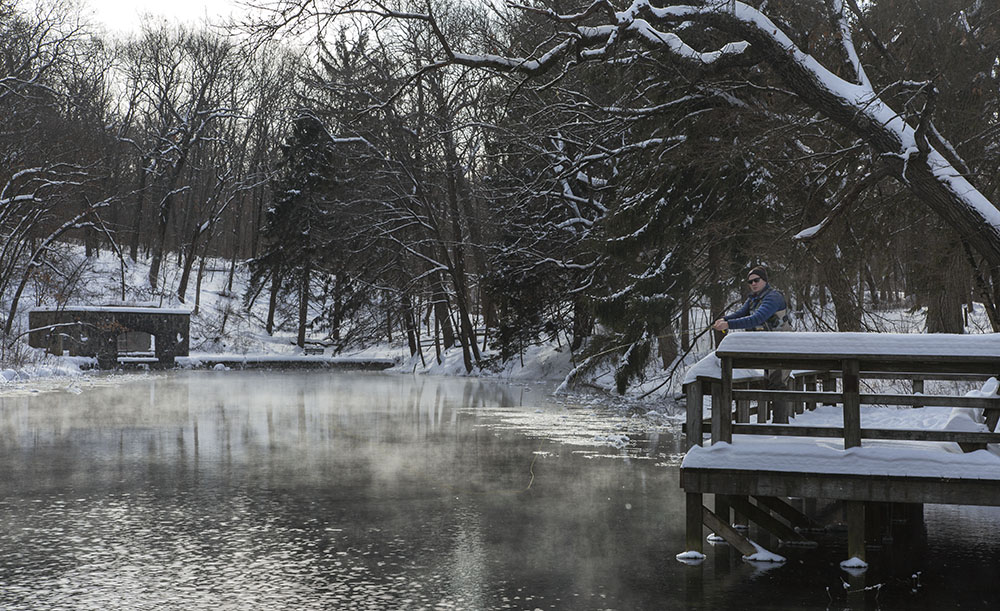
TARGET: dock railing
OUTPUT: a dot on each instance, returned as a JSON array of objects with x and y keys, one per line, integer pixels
[
  {"x": 823, "y": 359},
  {"x": 745, "y": 486}
]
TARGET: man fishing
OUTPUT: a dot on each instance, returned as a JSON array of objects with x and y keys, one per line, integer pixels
[{"x": 764, "y": 310}]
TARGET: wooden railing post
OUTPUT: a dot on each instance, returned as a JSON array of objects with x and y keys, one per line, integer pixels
[
  {"x": 716, "y": 412},
  {"x": 852, "y": 404},
  {"x": 829, "y": 383},
  {"x": 811, "y": 386},
  {"x": 695, "y": 410},
  {"x": 726, "y": 409},
  {"x": 918, "y": 387},
  {"x": 742, "y": 410}
]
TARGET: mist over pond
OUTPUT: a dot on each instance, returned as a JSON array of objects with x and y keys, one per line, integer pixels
[{"x": 270, "y": 490}]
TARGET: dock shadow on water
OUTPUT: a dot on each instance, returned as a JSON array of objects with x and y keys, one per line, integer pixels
[{"x": 313, "y": 490}]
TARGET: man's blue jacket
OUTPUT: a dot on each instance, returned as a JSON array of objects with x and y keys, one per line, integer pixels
[{"x": 757, "y": 310}]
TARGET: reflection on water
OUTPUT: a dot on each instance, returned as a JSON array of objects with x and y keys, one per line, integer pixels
[
  {"x": 306, "y": 490},
  {"x": 311, "y": 490}
]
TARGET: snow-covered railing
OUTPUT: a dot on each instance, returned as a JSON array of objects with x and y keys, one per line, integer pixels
[
  {"x": 704, "y": 379},
  {"x": 854, "y": 356},
  {"x": 752, "y": 476}
]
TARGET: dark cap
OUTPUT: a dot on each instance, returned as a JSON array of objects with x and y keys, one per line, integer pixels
[{"x": 758, "y": 270}]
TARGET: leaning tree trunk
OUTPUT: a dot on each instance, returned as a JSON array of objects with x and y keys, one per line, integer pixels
[
  {"x": 910, "y": 151},
  {"x": 918, "y": 156}
]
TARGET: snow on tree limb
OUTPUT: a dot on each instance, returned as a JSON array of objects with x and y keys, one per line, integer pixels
[
  {"x": 855, "y": 106},
  {"x": 917, "y": 155},
  {"x": 847, "y": 41}
]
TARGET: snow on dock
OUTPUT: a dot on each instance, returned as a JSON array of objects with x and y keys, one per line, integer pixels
[{"x": 859, "y": 448}]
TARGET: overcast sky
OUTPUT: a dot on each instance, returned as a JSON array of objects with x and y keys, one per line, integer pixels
[{"x": 123, "y": 15}]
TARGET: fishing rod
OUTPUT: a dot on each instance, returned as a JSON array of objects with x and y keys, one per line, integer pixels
[
  {"x": 680, "y": 359},
  {"x": 571, "y": 377}
]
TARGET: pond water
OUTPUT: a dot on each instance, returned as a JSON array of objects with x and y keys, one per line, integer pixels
[{"x": 309, "y": 490}]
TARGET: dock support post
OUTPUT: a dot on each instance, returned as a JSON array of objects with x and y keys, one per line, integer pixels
[
  {"x": 695, "y": 415},
  {"x": 856, "y": 529},
  {"x": 693, "y": 523},
  {"x": 723, "y": 510},
  {"x": 878, "y": 523},
  {"x": 852, "y": 404}
]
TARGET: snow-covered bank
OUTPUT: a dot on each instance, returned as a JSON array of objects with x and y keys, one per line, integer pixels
[
  {"x": 224, "y": 329},
  {"x": 49, "y": 367},
  {"x": 547, "y": 362}
]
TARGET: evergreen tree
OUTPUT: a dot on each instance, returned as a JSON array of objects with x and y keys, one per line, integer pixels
[{"x": 295, "y": 222}]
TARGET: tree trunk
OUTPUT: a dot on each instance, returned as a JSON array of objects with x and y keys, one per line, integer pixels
[
  {"x": 942, "y": 288},
  {"x": 666, "y": 345},
  {"x": 837, "y": 276},
  {"x": 467, "y": 334},
  {"x": 189, "y": 259},
  {"x": 583, "y": 322},
  {"x": 442, "y": 314},
  {"x": 716, "y": 291},
  {"x": 232, "y": 273},
  {"x": 304, "y": 302},
  {"x": 437, "y": 339},
  {"x": 337, "y": 313},
  {"x": 140, "y": 199},
  {"x": 272, "y": 302},
  {"x": 411, "y": 333},
  {"x": 197, "y": 290},
  {"x": 89, "y": 238},
  {"x": 686, "y": 324}
]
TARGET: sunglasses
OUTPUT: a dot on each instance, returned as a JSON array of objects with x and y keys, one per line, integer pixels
[{"x": 753, "y": 280}]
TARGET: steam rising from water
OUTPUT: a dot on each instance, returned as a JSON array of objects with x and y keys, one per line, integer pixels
[
  {"x": 296, "y": 491},
  {"x": 257, "y": 490}
]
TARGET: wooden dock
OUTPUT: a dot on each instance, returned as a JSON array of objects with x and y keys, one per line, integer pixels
[{"x": 752, "y": 475}]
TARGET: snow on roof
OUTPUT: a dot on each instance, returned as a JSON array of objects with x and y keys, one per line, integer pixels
[
  {"x": 799, "y": 455},
  {"x": 846, "y": 345}
]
